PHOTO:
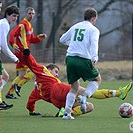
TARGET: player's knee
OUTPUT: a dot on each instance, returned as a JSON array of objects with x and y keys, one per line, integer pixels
[{"x": 89, "y": 107}]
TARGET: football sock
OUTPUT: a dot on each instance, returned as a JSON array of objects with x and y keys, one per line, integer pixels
[
  {"x": 28, "y": 76},
  {"x": 76, "y": 111},
  {"x": 70, "y": 99},
  {"x": 91, "y": 88},
  {"x": 0, "y": 97},
  {"x": 31, "y": 112},
  {"x": 105, "y": 93},
  {"x": 11, "y": 90},
  {"x": 115, "y": 93},
  {"x": 16, "y": 80},
  {"x": 3, "y": 83}
]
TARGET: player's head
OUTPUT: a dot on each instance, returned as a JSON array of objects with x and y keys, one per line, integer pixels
[
  {"x": 54, "y": 69},
  {"x": 11, "y": 13},
  {"x": 30, "y": 13},
  {"x": 91, "y": 15},
  {"x": 0, "y": 6}
]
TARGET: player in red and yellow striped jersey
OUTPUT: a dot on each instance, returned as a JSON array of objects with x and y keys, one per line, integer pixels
[
  {"x": 24, "y": 30},
  {"x": 47, "y": 86}
]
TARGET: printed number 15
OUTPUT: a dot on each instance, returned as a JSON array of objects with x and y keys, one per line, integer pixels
[{"x": 79, "y": 35}]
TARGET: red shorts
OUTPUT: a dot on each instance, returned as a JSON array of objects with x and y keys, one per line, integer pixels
[
  {"x": 59, "y": 93},
  {"x": 57, "y": 96}
]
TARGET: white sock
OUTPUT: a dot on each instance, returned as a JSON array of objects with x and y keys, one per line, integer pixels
[
  {"x": 91, "y": 88},
  {"x": 113, "y": 92},
  {"x": 3, "y": 83},
  {"x": 70, "y": 99}
]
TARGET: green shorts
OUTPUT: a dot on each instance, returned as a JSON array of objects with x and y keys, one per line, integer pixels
[
  {"x": 78, "y": 67},
  {"x": 1, "y": 67}
]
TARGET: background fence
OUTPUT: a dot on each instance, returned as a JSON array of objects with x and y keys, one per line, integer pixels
[{"x": 57, "y": 55}]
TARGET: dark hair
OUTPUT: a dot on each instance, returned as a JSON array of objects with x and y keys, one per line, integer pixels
[
  {"x": 89, "y": 13},
  {"x": 52, "y": 66},
  {"x": 10, "y": 10}
]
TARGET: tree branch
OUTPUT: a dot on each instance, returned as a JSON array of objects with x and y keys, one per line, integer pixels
[{"x": 114, "y": 29}]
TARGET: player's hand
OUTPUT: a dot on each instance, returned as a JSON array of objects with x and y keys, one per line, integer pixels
[
  {"x": 17, "y": 61},
  {"x": 16, "y": 48},
  {"x": 26, "y": 52},
  {"x": 43, "y": 36},
  {"x": 94, "y": 62}
]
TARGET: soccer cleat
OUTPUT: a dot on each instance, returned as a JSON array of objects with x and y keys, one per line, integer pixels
[
  {"x": 67, "y": 116},
  {"x": 125, "y": 90},
  {"x": 10, "y": 96},
  {"x": 60, "y": 112},
  {"x": 34, "y": 113},
  {"x": 82, "y": 104},
  {"x": 4, "y": 106},
  {"x": 17, "y": 89}
]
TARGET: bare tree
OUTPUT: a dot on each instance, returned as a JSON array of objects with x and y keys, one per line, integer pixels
[
  {"x": 39, "y": 23},
  {"x": 62, "y": 9}
]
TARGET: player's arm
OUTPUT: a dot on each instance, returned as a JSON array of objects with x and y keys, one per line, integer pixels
[
  {"x": 13, "y": 34},
  {"x": 4, "y": 46},
  {"x": 12, "y": 37},
  {"x": 35, "y": 67},
  {"x": 94, "y": 45},
  {"x": 65, "y": 38},
  {"x": 38, "y": 38}
]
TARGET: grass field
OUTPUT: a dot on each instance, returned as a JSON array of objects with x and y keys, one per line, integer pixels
[{"x": 104, "y": 118}]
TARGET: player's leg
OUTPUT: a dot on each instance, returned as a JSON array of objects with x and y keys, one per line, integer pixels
[
  {"x": 105, "y": 93},
  {"x": 11, "y": 89},
  {"x": 76, "y": 110},
  {"x": 73, "y": 79},
  {"x": 34, "y": 96},
  {"x": 28, "y": 76},
  {"x": 5, "y": 78},
  {"x": 10, "y": 92},
  {"x": 59, "y": 99},
  {"x": 91, "y": 74}
]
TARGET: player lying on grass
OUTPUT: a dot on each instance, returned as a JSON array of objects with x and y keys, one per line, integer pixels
[{"x": 49, "y": 88}]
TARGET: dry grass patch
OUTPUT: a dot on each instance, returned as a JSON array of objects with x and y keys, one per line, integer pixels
[{"x": 109, "y": 70}]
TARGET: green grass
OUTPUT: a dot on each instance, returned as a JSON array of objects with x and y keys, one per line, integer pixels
[{"x": 104, "y": 118}]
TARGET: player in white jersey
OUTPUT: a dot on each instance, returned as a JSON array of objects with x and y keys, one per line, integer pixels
[
  {"x": 81, "y": 58},
  {"x": 10, "y": 17}
]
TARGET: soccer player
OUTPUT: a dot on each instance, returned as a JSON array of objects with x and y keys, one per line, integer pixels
[
  {"x": 10, "y": 16},
  {"x": 23, "y": 74},
  {"x": 81, "y": 58},
  {"x": 0, "y": 62},
  {"x": 47, "y": 85}
]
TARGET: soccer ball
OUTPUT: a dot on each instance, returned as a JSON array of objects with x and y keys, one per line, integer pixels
[{"x": 125, "y": 110}]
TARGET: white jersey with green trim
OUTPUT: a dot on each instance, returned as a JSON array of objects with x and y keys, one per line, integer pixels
[
  {"x": 82, "y": 40},
  {"x": 4, "y": 30}
]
